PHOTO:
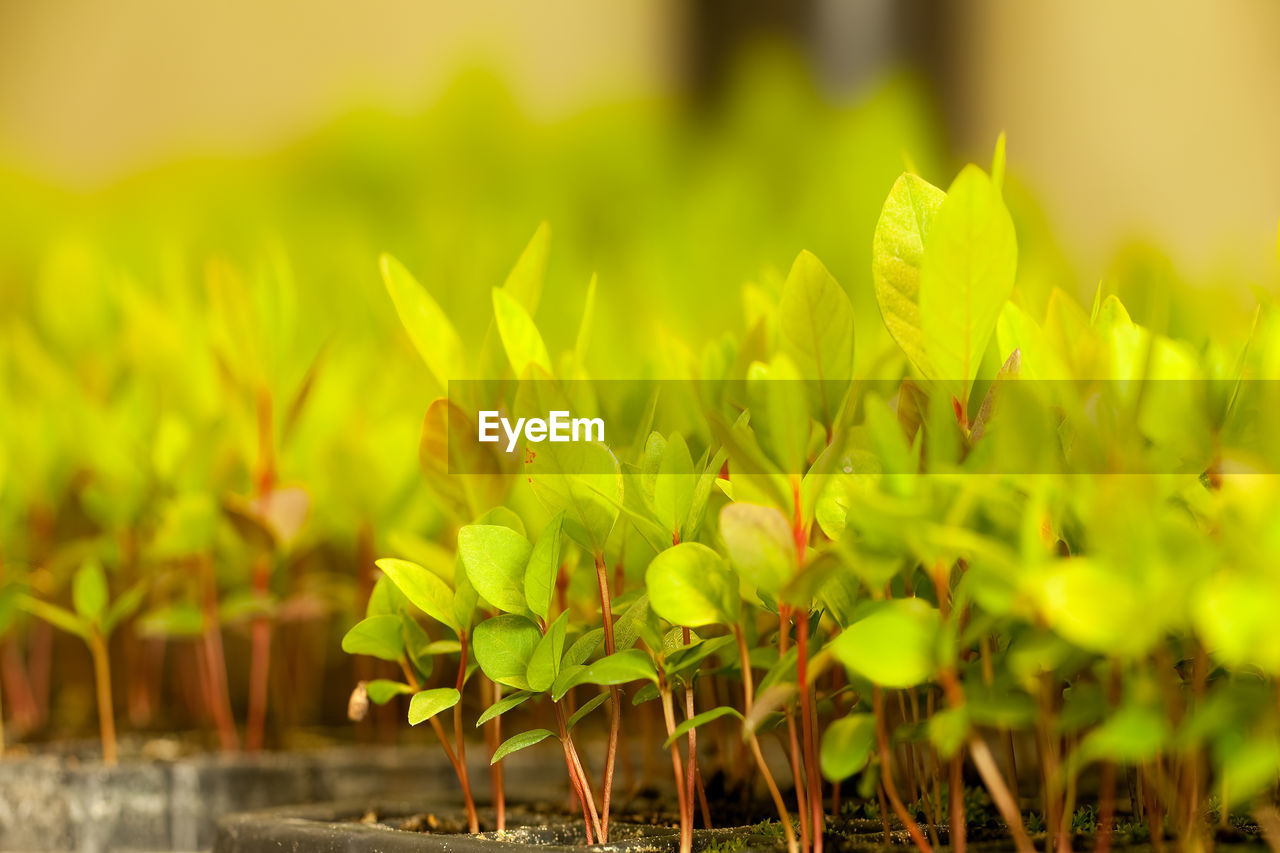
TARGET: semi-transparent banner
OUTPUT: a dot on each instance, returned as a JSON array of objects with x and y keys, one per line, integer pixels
[{"x": 797, "y": 427}]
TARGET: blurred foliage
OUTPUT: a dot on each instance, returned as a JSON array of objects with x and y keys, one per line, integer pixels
[{"x": 206, "y": 387}]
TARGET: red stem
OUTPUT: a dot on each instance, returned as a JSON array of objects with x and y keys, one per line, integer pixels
[
  {"x": 219, "y": 697},
  {"x": 793, "y": 752},
  {"x": 808, "y": 725},
  {"x": 259, "y": 661},
  {"x": 615, "y": 709},
  {"x": 886, "y": 774}
]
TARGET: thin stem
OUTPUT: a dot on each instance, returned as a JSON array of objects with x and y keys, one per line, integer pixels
[
  {"x": 668, "y": 715},
  {"x": 583, "y": 780},
  {"x": 581, "y": 785},
  {"x": 793, "y": 741},
  {"x": 457, "y": 731},
  {"x": 808, "y": 723},
  {"x": 459, "y": 769},
  {"x": 1107, "y": 810},
  {"x": 955, "y": 786},
  {"x": 473, "y": 821},
  {"x": 886, "y": 773},
  {"x": 691, "y": 768},
  {"x": 219, "y": 697},
  {"x": 1000, "y": 794},
  {"x": 748, "y": 693},
  {"x": 1005, "y": 801},
  {"x": 260, "y": 654},
  {"x": 884, "y": 812},
  {"x": 102, "y": 680},
  {"x": 702, "y": 798},
  {"x": 259, "y": 661},
  {"x": 457, "y": 722},
  {"x": 495, "y": 770},
  {"x": 615, "y": 710}
]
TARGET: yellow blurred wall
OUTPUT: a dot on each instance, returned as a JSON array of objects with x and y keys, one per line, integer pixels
[
  {"x": 1144, "y": 117},
  {"x": 90, "y": 90},
  {"x": 1149, "y": 117}
]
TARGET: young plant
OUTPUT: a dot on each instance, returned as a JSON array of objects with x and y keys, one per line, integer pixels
[
  {"x": 389, "y": 632},
  {"x": 691, "y": 587},
  {"x": 94, "y": 615},
  {"x": 525, "y": 650}
]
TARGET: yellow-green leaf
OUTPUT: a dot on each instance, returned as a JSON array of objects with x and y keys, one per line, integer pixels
[
  {"x": 897, "y": 252},
  {"x": 520, "y": 337},
  {"x": 967, "y": 275},
  {"x": 425, "y": 322}
]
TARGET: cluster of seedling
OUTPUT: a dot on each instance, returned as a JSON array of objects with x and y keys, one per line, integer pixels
[
  {"x": 1038, "y": 564},
  {"x": 206, "y": 396},
  {"x": 158, "y": 504}
]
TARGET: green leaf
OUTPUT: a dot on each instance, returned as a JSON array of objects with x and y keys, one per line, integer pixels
[
  {"x": 501, "y": 516},
  {"x": 632, "y": 623},
  {"x": 619, "y": 668},
  {"x": 897, "y": 253},
  {"x": 566, "y": 680},
  {"x": 424, "y": 589},
  {"x": 971, "y": 256},
  {"x": 544, "y": 566},
  {"x": 673, "y": 485},
  {"x": 428, "y": 327},
  {"x": 124, "y": 606},
  {"x": 520, "y": 337},
  {"x": 782, "y": 421},
  {"x": 383, "y": 690},
  {"x": 582, "y": 480},
  {"x": 524, "y": 282},
  {"x": 815, "y": 325},
  {"x": 180, "y": 619},
  {"x": 503, "y": 705},
  {"x": 584, "y": 647},
  {"x": 700, "y": 720},
  {"x": 894, "y": 645},
  {"x": 425, "y": 704},
  {"x": 89, "y": 593},
  {"x": 760, "y": 544},
  {"x": 449, "y": 445},
  {"x": 544, "y": 664},
  {"x": 386, "y": 599},
  {"x": 377, "y": 636},
  {"x": 948, "y": 729},
  {"x": 503, "y": 646},
  {"x": 417, "y": 645},
  {"x": 518, "y": 742},
  {"x": 690, "y": 585},
  {"x": 587, "y": 707},
  {"x": 645, "y": 694},
  {"x": 1131, "y": 735},
  {"x": 56, "y": 616},
  {"x": 847, "y": 746},
  {"x": 691, "y": 655},
  {"x": 495, "y": 558}
]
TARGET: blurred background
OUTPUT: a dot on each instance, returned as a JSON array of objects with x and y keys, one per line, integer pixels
[
  {"x": 193, "y": 198},
  {"x": 1144, "y": 119}
]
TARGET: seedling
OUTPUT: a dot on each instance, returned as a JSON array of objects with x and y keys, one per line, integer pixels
[
  {"x": 94, "y": 615},
  {"x": 912, "y": 597}
]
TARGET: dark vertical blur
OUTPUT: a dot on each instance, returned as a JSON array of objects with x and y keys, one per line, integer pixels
[{"x": 848, "y": 44}]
